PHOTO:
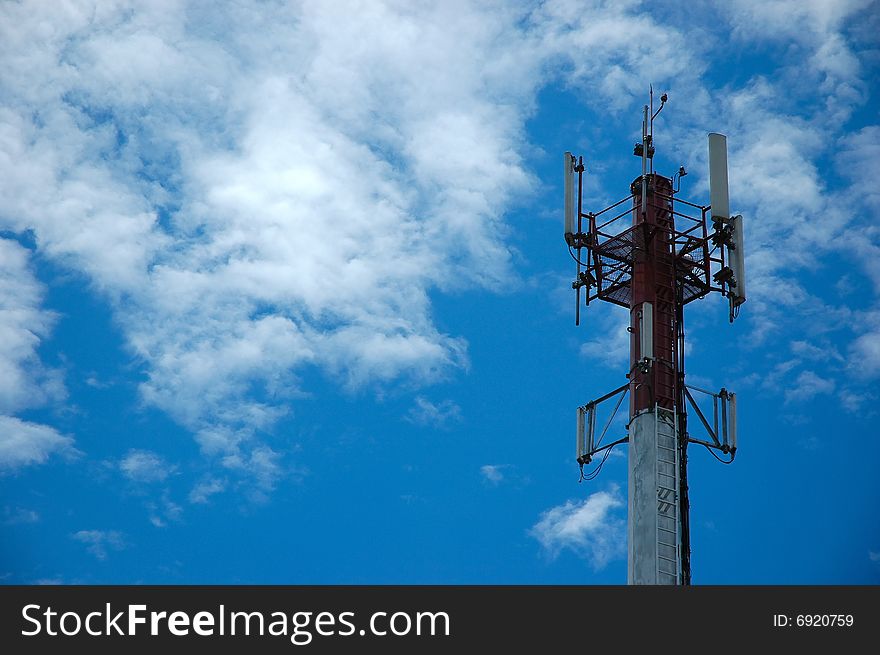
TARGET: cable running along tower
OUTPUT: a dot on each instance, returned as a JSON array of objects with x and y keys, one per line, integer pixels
[{"x": 669, "y": 254}]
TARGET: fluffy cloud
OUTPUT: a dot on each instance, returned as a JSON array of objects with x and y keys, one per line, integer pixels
[
  {"x": 18, "y": 515},
  {"x": 816, "y": 24},
  {"x": 859, "y": 155},
  {"x": 589, "y": 528},
  {"x": 162, "y": 512},
  {"x": 98, "y": 542},
  {"x": 437, "y": 415},
  {"x": 610, "y": 347},
  {"x": 493, "y": 473},
  {"x": 262, "y": 193},
  {"x": 203, "y": 491},
  {"x": 614, "y": 49},
  {"x": 865, "y": 355},
  {"x": 24, "y": 381},
  {"x": 145, "y": 466},
  {"x": 808, "y": 385},
  {"x": 23, "y": 443}
]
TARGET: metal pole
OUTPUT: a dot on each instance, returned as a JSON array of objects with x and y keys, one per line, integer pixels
[
  {"x": 645, "y": 161},
  {"x": 653, "y": 476},
  {"x": 683, "y": 496}
]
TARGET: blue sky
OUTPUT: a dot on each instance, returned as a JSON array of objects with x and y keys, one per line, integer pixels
[{"x": 285, "y": 297}]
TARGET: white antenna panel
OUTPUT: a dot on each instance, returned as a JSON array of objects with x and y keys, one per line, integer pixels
[
  {"x": 737, "y": 260},
  {"x": 718, "y": 193},
  {"x": 646, "y": 331},
  {"x": 570, "y": 205},
  {"x": 581, "y": 432},
  {"x": 732, "y": 401},
  {"x": 591, "y": 429}
]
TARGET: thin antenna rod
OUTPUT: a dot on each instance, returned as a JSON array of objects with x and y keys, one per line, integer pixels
[
  {"x": 645, "y": 161},
  {"x": 651, "y": 124}
]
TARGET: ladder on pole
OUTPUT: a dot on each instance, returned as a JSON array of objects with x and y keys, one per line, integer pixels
[{"x": 668, "y": 553}]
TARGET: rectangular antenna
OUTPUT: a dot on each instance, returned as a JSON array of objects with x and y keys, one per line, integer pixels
[
  {"x": 718, "y": 194},
  {"x": 646, "y": 331},
  {"x": 569, "y": 185},
  {"x": 737, "y": 260},
  {"x": 732, "y": 401},
  {"x": 591, "y": 429},
  {"x": 581, "y": 438}
]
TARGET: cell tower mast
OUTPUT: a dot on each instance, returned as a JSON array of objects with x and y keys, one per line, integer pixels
[{"x": 668, "y": 256}]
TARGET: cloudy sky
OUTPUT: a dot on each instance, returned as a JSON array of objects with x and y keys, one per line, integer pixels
[{"x": 285, "y": 297}]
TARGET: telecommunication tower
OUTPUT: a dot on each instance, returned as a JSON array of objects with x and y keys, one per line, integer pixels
[{"x": 672, "y": 253}]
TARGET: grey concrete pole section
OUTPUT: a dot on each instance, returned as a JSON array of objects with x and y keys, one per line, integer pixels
[
  {"x": 653, "y": 539},
  {"x": 642, "y": 510}
]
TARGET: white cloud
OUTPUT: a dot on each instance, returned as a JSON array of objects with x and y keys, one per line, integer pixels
[
  {"x": 852, "y": 401},
  {"x": 628, "y": 48},
  {"x": 145, "y": 466},
  {"x": 320, "y": 176},
  {"x": 262, "y": 464},
  {"x": 202, "y": 492},
  {"x": 95, "y": 383},
  {"x": 610, "y": 345},
  {"x": 98, "y": 542},
  {"x": 807, "y": 386},
  {"x": 822, "y": 54},
  {"x": 589, "y": 528},
  {"x": 24, "y": 444},
  {"x": 858, "y": 157},
  {"x": 493, "y": 473},
  {"x": 820, "y": 353},
  {"x": 162, "y": 512},
  {"x": 19, "y": 515},
  {"x": 436, "y": 415},
  {"x": 874, "y": 556},
  {"x": 783, "y": 19},
  {"x": 24, "y": 381},
  {"x": 865, "y": 355}
]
